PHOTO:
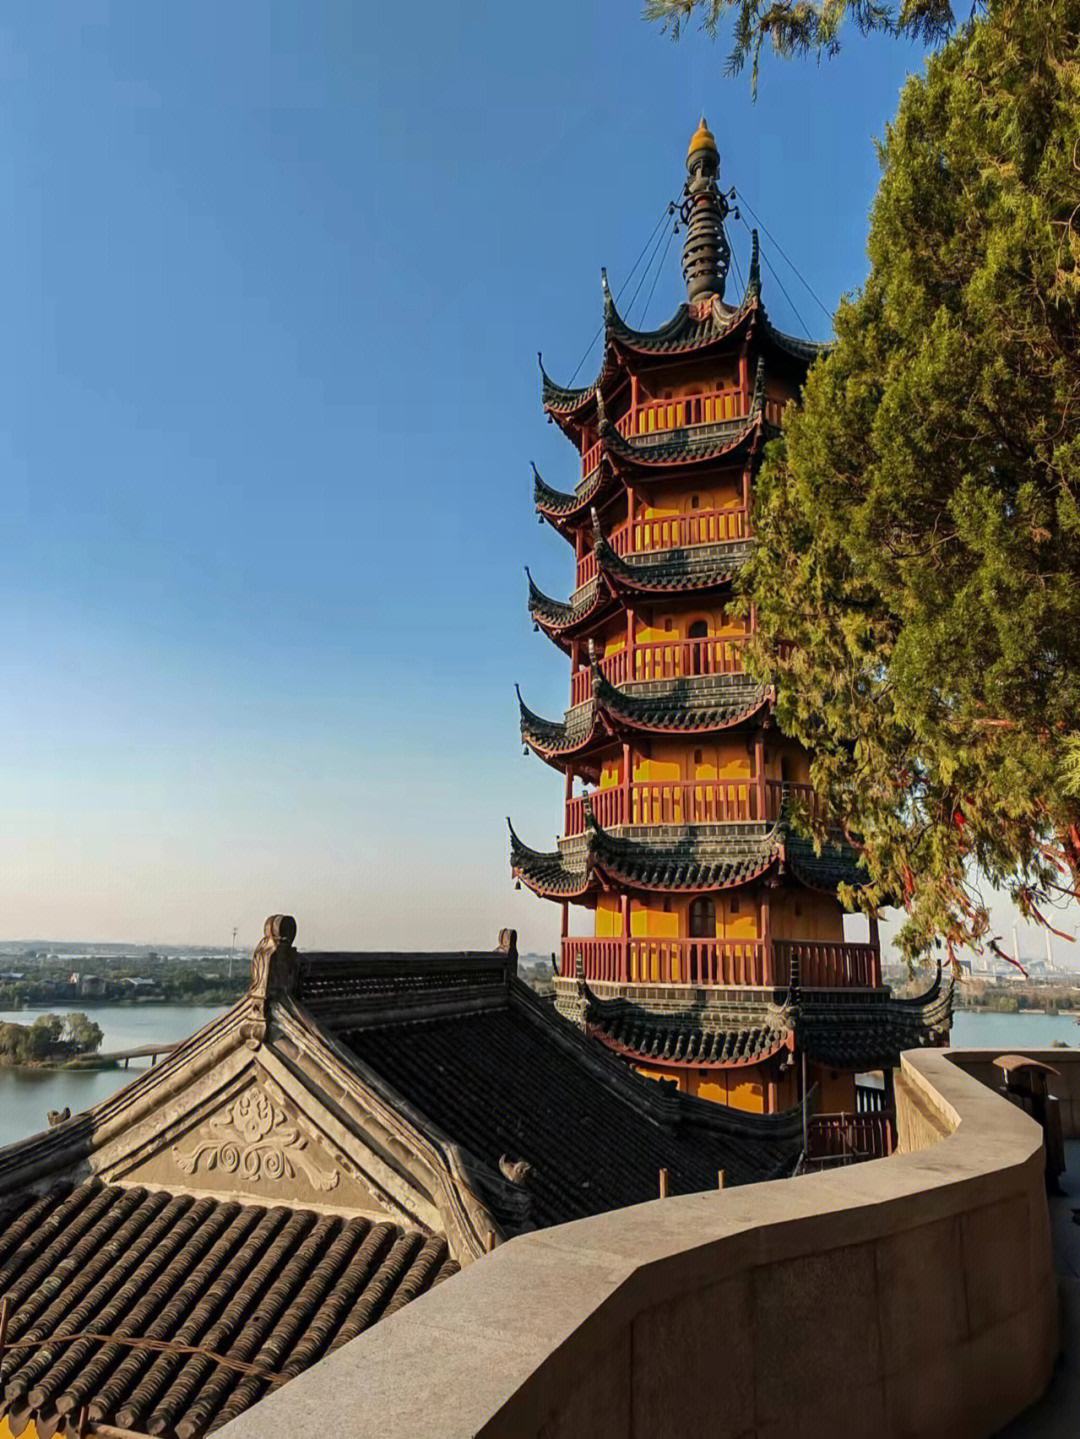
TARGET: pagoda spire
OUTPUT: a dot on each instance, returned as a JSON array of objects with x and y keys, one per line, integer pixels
[{"x": 706, "y": 253}]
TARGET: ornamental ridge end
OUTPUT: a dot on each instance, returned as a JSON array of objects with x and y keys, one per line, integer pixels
[{"x": 275, "y": 967}]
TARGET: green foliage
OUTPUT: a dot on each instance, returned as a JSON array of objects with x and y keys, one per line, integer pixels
[
  {"x": 919, "y": 521},
  {"x": 49, "y": 1037},
  {"x": 802, "y": 27},
  {"x": 83, "y": 1032}
]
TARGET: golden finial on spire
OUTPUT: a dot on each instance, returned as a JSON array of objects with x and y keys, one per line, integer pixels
[{"x": 702, "y": 139}]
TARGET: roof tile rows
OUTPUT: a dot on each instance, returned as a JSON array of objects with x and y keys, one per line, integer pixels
[
  {"x": 498, "y": 1086},
  {"x": 272, "y": 1288}
]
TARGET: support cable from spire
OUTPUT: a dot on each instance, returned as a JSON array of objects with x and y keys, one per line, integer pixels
[
  {"x": 659, "y": 272},
  {"x": 668, "y": 209},
  {"x": 783, "y": 289},
  {"x": 784, "y": 256},
  {"x": 645, "y": 272}
]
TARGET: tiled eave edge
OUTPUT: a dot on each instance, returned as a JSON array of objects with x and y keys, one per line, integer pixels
[{"x": 480, "y": 1362}]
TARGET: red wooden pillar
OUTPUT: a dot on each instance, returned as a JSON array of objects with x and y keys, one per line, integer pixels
[
  {"x": 631, "y": 544},
  {"x": 633, "y": 403},
  {"x": 624, "y": 948},
  {"x": 627, "y": 781},
  {"x": 630, "y": 660},
  {"x": 875, "y": 961},
  {"x": 744, "y": 380},
  {"x": 760, "y": 791}
]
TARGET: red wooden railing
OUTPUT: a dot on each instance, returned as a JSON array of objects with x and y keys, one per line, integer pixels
[
  {"x": 832, "y": 1137},
  {"x": 654, "y": 417},
  {"x": 669, "y": 532},
  {"x": 719, "y": 801},
  {"x": 823, "y": 964},
  {"x": 678, "y": 659},
  {"x": 665, "y": 660},
  {"x": 709, "y": 961},
  {"x": 668, "y": 961}
]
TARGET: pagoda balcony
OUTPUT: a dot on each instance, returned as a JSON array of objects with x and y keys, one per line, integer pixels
[
  {"x": 658, "y": 417},
  {"x": 720, "y": 801},
  {"x": 664, "y": 660},
  {"x": 669, "y": 532},
  {"x": 697, "y": 962}
]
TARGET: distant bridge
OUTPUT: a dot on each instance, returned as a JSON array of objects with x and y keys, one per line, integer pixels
[{"x": 142, "y": 1051}]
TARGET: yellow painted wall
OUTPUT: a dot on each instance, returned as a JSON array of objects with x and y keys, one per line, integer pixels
[
  {"x": 745, "y": 1088},
  {"x": 655, "y": 626},
  {"x": 718, "y": 492},
  {"x": 736, "y": 917},
  {"x": 730, "y": 758},
  {"x": 608, "y": 917},
  {"x": 802, "y": 914},
  {"x": 30, "y": 1432},
  {"x": 836, "y": 1090},
  {"x": 671, "y": 381}
]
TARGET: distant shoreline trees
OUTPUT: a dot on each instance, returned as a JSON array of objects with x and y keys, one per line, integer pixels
[{"x": 50, "y": 1039}]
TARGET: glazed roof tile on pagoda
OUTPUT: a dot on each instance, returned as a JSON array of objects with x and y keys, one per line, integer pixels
[
  {"x": 695, "y": 569},
  {"x": 701, "y": 705},
  {"x": 674, "y": 859},
  {"x": 562, "y": 619},
  {"x": 842, "y": 1029},
  {"x": 698, "y": 569},
  {"x": 336, "y": 1143},
  {"x": 712, "y": 1037},
  {"x": 729, "y": 440},
  {"x": 869, "y": 1029},
  {"x": 560, "y": 508},
  {"x": 694, "y": 329}
]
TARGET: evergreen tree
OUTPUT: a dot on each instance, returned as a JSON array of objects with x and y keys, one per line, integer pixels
[
  {"x": 800, "y": 27},
  {"x": 919, "y": 521}
]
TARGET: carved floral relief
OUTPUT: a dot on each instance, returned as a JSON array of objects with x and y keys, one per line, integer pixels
[{"x": 255, "y": 1139}]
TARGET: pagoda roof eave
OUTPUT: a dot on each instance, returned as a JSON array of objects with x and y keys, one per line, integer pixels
[
  {"x": 722, "y": 703},
  {"x": 842, "y": 1028},
  {"x": 561, "y": 509},
  {"x": 692, "y": 330},
  {"x": 728, "y": 440},
  {"x": 563, "y": 620},
  {"x": 685, "y": 864},
  {"x": 696, "y": 569}
]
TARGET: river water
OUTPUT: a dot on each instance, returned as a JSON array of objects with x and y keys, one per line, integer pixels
[{"x": 26, "y": 1095}]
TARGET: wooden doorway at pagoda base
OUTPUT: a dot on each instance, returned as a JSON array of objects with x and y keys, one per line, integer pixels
[{"x": 701, "y": 926}]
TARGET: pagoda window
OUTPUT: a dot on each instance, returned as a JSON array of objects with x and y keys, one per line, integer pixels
[
  {"x": 699, "y": 630},
  {"x": 702, "y": 919}
]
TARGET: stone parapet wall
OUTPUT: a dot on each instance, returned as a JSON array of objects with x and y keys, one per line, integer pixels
[
  {"x": 913, "y": 1296},
  {"x": 1064, "y": 1085}
]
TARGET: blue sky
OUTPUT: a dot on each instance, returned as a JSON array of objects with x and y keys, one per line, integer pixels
[{"x": 273, "y": 279}]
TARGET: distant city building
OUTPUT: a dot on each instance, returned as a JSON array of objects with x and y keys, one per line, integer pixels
[{"x": 717, "y": 959}]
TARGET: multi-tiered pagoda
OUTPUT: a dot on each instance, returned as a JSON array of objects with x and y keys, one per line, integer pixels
[{"x": 718, "y": 957}]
